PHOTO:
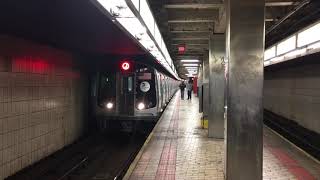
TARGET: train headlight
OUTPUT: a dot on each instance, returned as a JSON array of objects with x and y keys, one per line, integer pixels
[
  {"x": 109, "y": 105},
  {"x": 141, "y": 106}
]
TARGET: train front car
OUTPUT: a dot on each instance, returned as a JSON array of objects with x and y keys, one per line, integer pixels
[
  {"x": 125, "y": 93},
  {"x": 146, "y": 97}
]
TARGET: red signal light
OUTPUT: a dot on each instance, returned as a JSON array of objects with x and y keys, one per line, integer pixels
[
  {"x": 181, "y": 49},
  {"x": 125, "y": 66}
]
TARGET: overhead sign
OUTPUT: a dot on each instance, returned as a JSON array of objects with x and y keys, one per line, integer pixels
[{"x": 182, "y": 49}]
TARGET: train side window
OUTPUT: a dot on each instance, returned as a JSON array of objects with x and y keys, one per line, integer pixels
[
  {"x": 130, "y": 84},
  {"x": 107, "y": 89}
]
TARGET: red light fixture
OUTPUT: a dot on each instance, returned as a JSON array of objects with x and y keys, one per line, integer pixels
[
  {"x": 181, "y": 48},
  {"x": 125, "y": 66}
]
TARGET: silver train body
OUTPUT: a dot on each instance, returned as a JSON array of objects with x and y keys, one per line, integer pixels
[{"x": 139, "y": 94}]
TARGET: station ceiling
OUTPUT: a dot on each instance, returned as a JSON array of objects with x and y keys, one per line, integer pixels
[
  {"x": 79, "y": 26},
  {"x": 75, "y": 25},
  {"x": 190, "y": 22}
]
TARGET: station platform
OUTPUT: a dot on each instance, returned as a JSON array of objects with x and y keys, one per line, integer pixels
[{"x": 178, "y": 148}]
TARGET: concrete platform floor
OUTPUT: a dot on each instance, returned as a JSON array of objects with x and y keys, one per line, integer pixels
[{"x": 178, "y": 148}]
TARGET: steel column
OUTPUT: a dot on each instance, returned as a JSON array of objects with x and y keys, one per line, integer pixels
[
  {"x": 245, "y": 49},
  {"x": 217, "y": 82},
  {"x": 200, "y": 94},
  {"x": 205, "y": 85}
]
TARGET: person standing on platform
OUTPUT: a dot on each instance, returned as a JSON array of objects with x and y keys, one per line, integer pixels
[
  {"x": 182, "y": 86},
  {"x": 189, "y": 89}
]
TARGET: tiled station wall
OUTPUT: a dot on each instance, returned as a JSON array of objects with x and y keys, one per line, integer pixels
[
  {"x": 42, "y": 103},
  {"x": 294, "y": 93}
]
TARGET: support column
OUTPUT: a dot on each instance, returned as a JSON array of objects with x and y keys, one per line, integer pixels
[
  {"x": 205, "y": 86},
  {"x": 245, "y": 48},
  {"x": 199, "y": 84},
  {"x": 216, "y": 85}
]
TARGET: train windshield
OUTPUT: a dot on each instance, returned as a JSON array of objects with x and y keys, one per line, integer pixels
[
  {"x": 146, "y": 91},
  {"x": 107, "y": 89}
]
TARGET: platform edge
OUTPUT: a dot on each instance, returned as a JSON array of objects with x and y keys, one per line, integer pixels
[
  {"x": 292, "y": 144},
  {"x": 137, "y": 158}
]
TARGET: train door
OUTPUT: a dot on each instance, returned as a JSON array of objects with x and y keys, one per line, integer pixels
[{"x": 127, "y": 95}]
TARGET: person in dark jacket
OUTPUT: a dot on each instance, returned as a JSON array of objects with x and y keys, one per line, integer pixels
[
  {"x": 189, "y": 89},
  {"x": 182, "y": 86}
]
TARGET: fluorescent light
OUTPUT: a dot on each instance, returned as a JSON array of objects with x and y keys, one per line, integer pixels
[
  {"x": 314, "y": 46},
  {"x": 296, "y": 52},
  {"x": 277, "y": 59},
  {"x": 270, "y": 53},
  {"x": 117, "y": 8},
  {"x": 147, "y": 42},
  {"x": 286, "y": 45},
  {"x": 266, "y": 63},
  {"x": 136, "y": 4},
  {"x": 166, "y": 54},
  {"x": 157, "y": 36},
  {"x": 133, "y": 26},
  {"x": 190, "y": 64},
  {"x": 309, "y": 35},
  {"x": 146, "y": 15},
  {"x": 190, "y": 60},
  {"x": 301, "y": 43},
  {"x": 142, "y": 26}
]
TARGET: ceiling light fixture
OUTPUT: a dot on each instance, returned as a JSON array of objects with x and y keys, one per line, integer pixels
[
  {"x": 191, "y": 65},
  {"x": 142, "y": 26},
  {"x": 191, "y": 68},
  {"x": 189, "y": 60}
]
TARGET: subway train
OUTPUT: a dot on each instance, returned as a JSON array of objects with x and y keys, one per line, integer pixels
[{"x": 130, "y": 91}]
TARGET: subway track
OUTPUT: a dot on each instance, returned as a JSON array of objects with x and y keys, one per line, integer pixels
[
  {"x": 301, "y": 137},
  {"x": 107, "y": 156},
  {"x": 101, "y": 156},
  {"x": 108, "y": 160}
]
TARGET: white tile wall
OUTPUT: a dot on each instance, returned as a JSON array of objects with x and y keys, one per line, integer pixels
[
  {"x": 295, "y": 94},
  {"x": 42, "y": 108}
]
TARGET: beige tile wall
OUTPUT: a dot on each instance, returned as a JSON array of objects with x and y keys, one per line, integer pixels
[
  {"x": 295, "y": 94},
  {"x": 42, "y": 103}
]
